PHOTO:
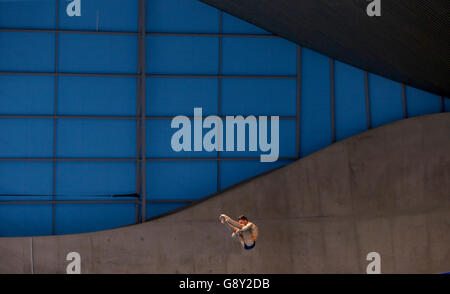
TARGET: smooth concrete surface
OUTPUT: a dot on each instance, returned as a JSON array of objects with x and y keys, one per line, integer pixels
[{"x": 386, "y": 190}]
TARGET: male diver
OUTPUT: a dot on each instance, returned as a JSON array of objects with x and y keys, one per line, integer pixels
[{"x": 246, "y": 232}]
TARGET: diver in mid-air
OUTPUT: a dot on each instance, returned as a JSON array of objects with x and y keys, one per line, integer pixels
[{"x": 246, "y": 232}]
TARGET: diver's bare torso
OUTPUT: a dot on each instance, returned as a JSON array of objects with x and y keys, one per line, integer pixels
[{"x": 246, "y": 232}]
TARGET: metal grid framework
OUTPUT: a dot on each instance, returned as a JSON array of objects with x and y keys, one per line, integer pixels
[
  {"x": 140, "y": 117},
  {"x": 141, "y": 159}
]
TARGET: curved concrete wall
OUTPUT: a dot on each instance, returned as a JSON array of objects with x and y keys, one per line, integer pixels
[{"x": 386, "y": 190}]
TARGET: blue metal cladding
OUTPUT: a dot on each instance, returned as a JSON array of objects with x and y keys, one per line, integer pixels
[
  {"x": 96, "y": 96},
  {"x": 234, "y": 25},
  {"x": 101, "y": 15},
  {"x": 94, "y": 53},
  {"x": 259, "y": 97},
  {"x": 385, "y": 100},
  {"x": 350, "y": 101},
  {"x": 446, "y": 104},
  {"x": 26, "y": 137},
  {"x": 315, "y": 115},
  {"x": 28, "y": 14},
  {"x": 193, "y": 179},
  {"x": 171, "y": 97},
  {"x": 258, "y": 56},
  {"x": 92, "y": 183},
  {"x": 420, "y": 102},
  {"x": 27, "y": 95},
  {"x": 95, "y": 178},
  {"x": 24, "y": 51},
  {"x": 181, "y": 16}
]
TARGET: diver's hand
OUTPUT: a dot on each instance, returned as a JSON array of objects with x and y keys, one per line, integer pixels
[{"x": 224, "y": 217}]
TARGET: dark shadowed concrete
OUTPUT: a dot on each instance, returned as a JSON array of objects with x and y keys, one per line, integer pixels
[
  {"x": 386, "y": 190},
  {"x": 409, "y": 42}
]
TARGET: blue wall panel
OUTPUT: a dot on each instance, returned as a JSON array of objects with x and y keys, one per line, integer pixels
[
  {"x": 97, "y": 53},
  {"x": 182, "y": 55},
  {"x": 96, "y": 138},
  {"x": 181, "y": 179},
  {"x": 350, "y": 100},
  {"x": 26, "y": 137},
  {"x": 234, "y": 25},
  {"x": 26, "y": 95},
  {"x": 96, "y": 96},
  {"x": 81, "y": 218},
  {"x": 101, "y": 15},
  {"x": 447, "y": 104},
  {"x": 28, "y": 14},
  {"x": 315, "y": 126},
  {"x": 181, "y": 16},
  {"x": 259, "y": 56},
  {"x": 172, "y": 97},
  {"x": 420, "y": 102},
  {"x": 287, "y": 141},
  {"x": 25, "y": 178},
  {"x": 385, "y": 98},
  {"x": 159, "y": 135},
  {"x": 234, "y": 172},
  {"x": 259, "y": 97},
  {"x": 156, "y": 209},
  {"x": 18, "y": 220},
  {"x": 95, "y": 178},
  {"x": 21, "y": 51}
]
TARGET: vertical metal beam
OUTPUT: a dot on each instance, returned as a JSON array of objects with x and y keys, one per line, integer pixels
[
  {"x": 142, "y": 77},
  {"x": 298, "y": 81},
  {"x": 366, "y": 87},
  {"x": 404, "y": 105},
  {"x": 219, "y": 96},
  {"x": 333, "y": 126},
  {"x": 55, "y": 120},
  {"x": 138, "y": 129}
]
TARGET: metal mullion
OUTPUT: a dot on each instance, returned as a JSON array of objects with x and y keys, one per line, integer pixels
[
  {"x": 366, "y": 87},
  {"x": 333, "y": 123},
  {"x": 142, "y": 97},
  {"x": 219, "y": 99},
  {"x": 55, "y": 111},
  {"x": 298, "y": 93},
  {"x": 404, "y": 105},
  {"x": 138, "y": 127}
]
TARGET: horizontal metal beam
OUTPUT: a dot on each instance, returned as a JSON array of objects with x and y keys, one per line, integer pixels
[
  {"x": 67, "y": 201},
  {"x": 64, "y": 74},
  {"x": 169, "y": 34},
  {"x": 31, "y": 116},
  {"x": 36, "y": 159},
  {"x": 137, "y": 201},
  {"x": 213, "y": 35},
  {"x": 222, "y": 76},
  {"x": 122, "y": 75}
]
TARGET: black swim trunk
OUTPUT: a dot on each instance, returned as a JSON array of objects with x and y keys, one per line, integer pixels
[{"x": 249, "y": 247}]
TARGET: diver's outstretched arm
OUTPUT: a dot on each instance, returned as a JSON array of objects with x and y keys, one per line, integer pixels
[{"x": 231, "y": 221}]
